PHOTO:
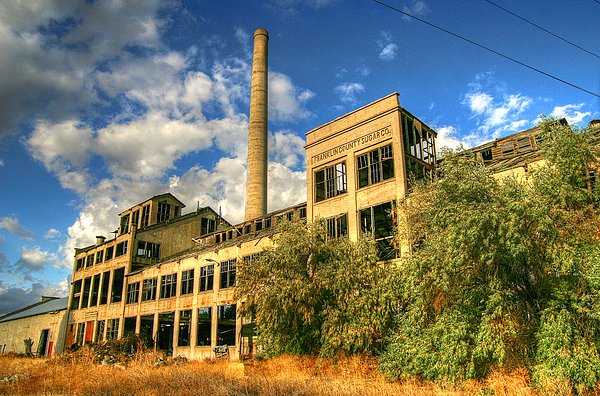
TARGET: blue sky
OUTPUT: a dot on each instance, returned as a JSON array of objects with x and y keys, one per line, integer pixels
[{"x": 105, "y": 103}]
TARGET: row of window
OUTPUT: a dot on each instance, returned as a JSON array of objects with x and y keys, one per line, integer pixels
[
  {"x": 94, "y": 290},
  {"x": 168, "y": 283},
  {"x": 225, "y": 329},
  {"x": 373, "y": 167},
  {"x": 379, "y": 221},
  {"x": 100, "y": 256},
  {"x": 258, "y": 225}
]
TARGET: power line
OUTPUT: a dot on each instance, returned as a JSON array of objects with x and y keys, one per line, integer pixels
[
  {"x": 488, "y": 49},
  {"x": 545, "y": 30}
]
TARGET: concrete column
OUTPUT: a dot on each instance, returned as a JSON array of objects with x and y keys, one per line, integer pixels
[{"x": 256, "y": 181}]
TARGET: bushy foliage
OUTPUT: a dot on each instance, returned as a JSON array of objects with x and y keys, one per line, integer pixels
[
  {"x": 314, "y": 295},
  {"x": 506, "y": 273}
]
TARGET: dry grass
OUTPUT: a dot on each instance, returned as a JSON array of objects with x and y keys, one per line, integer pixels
[{"x": 286, "y": 375}]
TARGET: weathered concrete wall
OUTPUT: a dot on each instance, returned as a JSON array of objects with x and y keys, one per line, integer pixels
[{"x": 12, "y": 333}]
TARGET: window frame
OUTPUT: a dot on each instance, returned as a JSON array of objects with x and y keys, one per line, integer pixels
[{"x": 375, "y": 166}]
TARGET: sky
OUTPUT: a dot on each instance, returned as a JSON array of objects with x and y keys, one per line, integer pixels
[{"x": 106, "y": 103}]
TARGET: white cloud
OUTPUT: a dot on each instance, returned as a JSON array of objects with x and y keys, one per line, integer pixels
[
  {"x": 496, "y": 116},
  {"x": 52, "y": 234},
  {"x": 388, "y": 48},
  {"x": 416, "y": 8},
  {"x": 571, "y": 112},
  {"x": 35, "y": 259},
  {"x": 363, "y": 70},
  {"x": 286, "y": 102},
  {"x": 388, "y": 52},
  {"x": 447, "y": 138},
  {"x": 347, "y": 92},
  {"x": 12, "y": 225},
  {"x": 287, "y": 149}
]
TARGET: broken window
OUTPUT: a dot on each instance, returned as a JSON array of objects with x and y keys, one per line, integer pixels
[
  {"x": 187, "y": 282},
  {"x": 524, "y": 144},
  {"x": 289, "y": 216},
  {"x": 226, "y": 317},
  {"x": 109, "y": 253},
  {"x": 87, "y": 282},
  {"x": 185, "y": 326},
  {"x": 507, "y": 148},
  {"x": 203, "y": 335},
  {"x": 176, "y": 211},
  {"x": 149, "y": 289},
  {"x": 164, "y": 211},
  {"x": 99, "y": 256},
  {"x": 145, "y": 216},
  {"x": 247, "y": 228},
  {"x": 135, "y": 216},
  {"x": 375, "y": 166},
  {"x": 129, "y": 326},
  {"x": 104, "y": 289},
  {"x": 112, "y": 330},
  {"x": 337, "y": 227},
  {"x": 168, "y": 285},
  {"x": 227, "y": 273},
  {"x": 207, "y": 226},
  {"x": 379, "y": 221},
  {"x": 95, "y": 290},
  {"x": 89, "y": 260},
  {"x": 148, "y": 249},
  {"x": 486, "y": 154},
  {"x": 417, "y": 171},
  {"x": 80, "y": 333},
  {"x": 117, "y": 285},
  {"x": 303, "y": 213},
  {"x": 121, "y": 248},
  {"x": 124, "y": 229},
  {"x": 258, "y": 225},
  {"x": 79, "y": 264},
  {"x": 166, "y": 325},
  {"x": 267, "y": 222},
  {"x": 100, "y": 331},
  {"x": 330, "y": 181},
  {"x": 76, "y": 294},
  {"x": 133, "y": 292},
  {"x": 207, "y": 275}
]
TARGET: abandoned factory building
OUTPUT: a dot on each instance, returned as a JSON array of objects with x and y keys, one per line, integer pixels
[{"x": 170, "y": 277}]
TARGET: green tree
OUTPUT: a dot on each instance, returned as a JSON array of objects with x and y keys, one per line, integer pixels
[
  {"x": 313, "y": 295},
  {"x": 503, "y": 268}
]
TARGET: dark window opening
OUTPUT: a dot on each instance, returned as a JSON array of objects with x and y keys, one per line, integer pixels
[
  {"x": 109, "y": 253},
  {"x": 303, "y": 213},
  {"x": 95, "y": 290},
  {"x": 226, "y": 316},
  {"x": 337, "y": 227},
  {"x": 146, "y": 330},
  {"x": 508, "y": 148},
  {"x": 124, "y": 229},
  {"x": 168, "y": 285},
  {"x": 129, "y": 326},
  {"x": 166, "y": 323},
  {"x": 79, "y": 264},
  {"x": 133, "y": 292},
  {"x": 100, "y": 330},
  {"x": 207, "y": 275},
  {"x": 87, "y": 282},
  {"x": 203, "y": 336},
  {"x": 185, "y": 326},
  {"x": 121, "y": 248},
  {"x": 207, "y": 226},
  {"x": 145, "y": 216},
  {"x": 227, "y": 273},
  {"x": 99, "y": 256},
  {"x": 135, "y": 217},
  {"x": 375, "y": 166},
  {"x": 164, "y": 211},
  {"x": 76, "y": 294},
  {"x": 112, "y": 330},
  {"x": 104, "y": 290},
  {"x": 379, "y": 221},
  {"x": 330, "y": 181},
  {"x": 148, "y": 249},
  {"x": 486, "y": 155},
  {"x": 149, "y": 289},
  {"x": 117, "y": 286},
  {"x": 89, "y": 260},
  {"x": 187, "y": 282}
]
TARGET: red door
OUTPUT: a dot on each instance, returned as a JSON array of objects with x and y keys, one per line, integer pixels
[
  {"x": 89, "y": 331},
  {"x": 50, "y": 346}
]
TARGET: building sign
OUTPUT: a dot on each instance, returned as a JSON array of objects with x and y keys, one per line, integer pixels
[{"x": 354, "y": 143}]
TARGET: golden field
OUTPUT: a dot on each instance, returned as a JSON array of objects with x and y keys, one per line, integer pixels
[{"x": 78, "y": 374}]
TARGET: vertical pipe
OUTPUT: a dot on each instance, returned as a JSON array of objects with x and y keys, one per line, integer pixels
[{"x": 256, "y": 180}]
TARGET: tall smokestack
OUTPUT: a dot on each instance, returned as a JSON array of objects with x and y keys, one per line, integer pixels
[{"x": 256, "y": 181}]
